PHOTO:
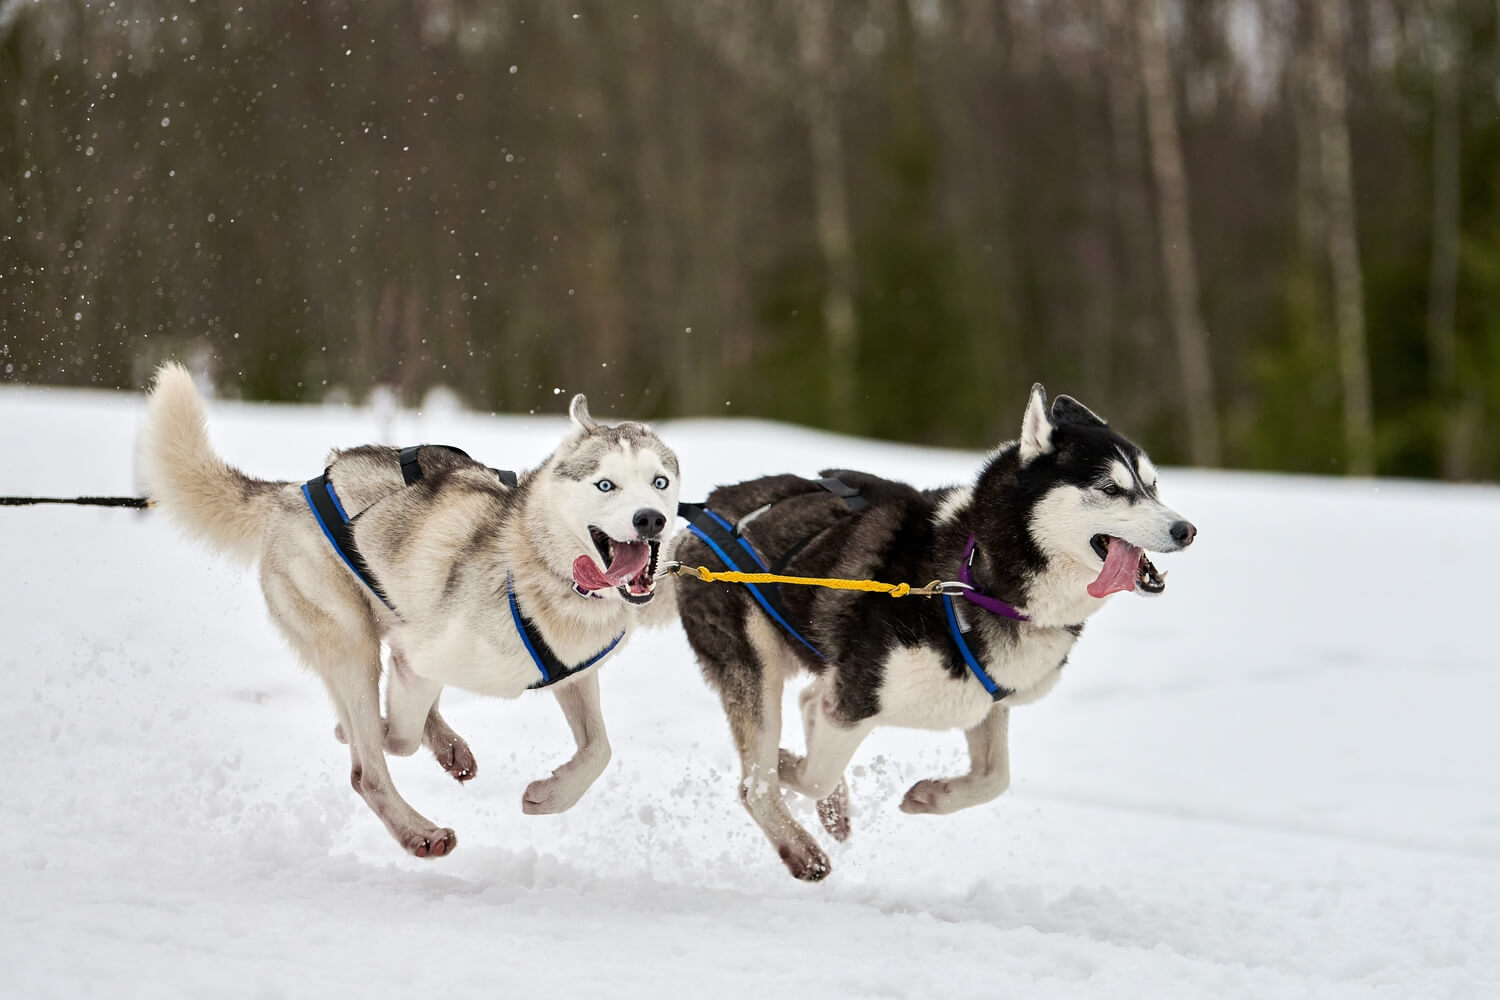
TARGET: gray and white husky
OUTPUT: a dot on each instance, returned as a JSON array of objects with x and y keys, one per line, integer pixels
[
  {"x": 1054, "y": 524},
  {"x": 491, "y": 587}
]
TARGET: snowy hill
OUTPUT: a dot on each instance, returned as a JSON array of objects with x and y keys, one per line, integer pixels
[{"x": 1274, "y": 781}]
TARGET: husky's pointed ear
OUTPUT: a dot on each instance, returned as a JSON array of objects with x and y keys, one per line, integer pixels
[
  {"x": 1067, "y": 410},
  {"x": 1036, "y": 426},
  {"x": 578, "y": 412}
]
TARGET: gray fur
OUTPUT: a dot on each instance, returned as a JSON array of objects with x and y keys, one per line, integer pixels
[
  {"x": 441, "y": 549},
  {"x": 582, "y": 460}
]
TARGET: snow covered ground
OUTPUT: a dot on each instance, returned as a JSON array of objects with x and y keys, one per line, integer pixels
[{"x": 1277, "y": 780}]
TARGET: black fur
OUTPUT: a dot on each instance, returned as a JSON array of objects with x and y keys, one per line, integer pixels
[{"x": 894, "y": 540}]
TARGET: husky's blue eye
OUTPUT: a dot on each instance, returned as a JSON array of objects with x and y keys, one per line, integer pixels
[
  {"x": 660, "y": 482},
  {"x": 605, "y": 485}
]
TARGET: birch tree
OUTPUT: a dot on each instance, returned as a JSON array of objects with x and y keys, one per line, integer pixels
[
  {"x": 1343, "y": 244},
  {"x": 1175, "y": 232}
]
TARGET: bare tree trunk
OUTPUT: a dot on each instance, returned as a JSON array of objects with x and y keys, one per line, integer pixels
[
  {"x": 1442, "y": 286},
  {"x": 1343, "y": 243},
  {"x": 819, "y": 108},
  {"x": 1176, "y": 234},
  {"x": 1132, "y": 203}
]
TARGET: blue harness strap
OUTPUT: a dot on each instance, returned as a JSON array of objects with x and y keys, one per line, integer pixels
[
  {"x": 547, "y": 663},
  {"x": 338, "y": 529},
  {"x": 997, "y": 693},
  {"x": 720, "y": 536}
]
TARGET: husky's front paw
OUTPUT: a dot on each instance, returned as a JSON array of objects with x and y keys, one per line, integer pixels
[
  {"x": 430, "y": 843},
  {"x": 833, "y": 811},
  {"x": 552, "y": 795},
  {"x": 566, "y": 786},
  {"x": 930, "y": 795}
]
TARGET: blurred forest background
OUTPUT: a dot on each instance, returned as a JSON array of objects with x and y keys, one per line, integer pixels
[{"x": 1256, "y": 233}]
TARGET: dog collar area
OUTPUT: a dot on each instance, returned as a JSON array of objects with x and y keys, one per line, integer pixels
[
  {"x": 979, "y": 598},
  {"x": 578, "y": 589}
]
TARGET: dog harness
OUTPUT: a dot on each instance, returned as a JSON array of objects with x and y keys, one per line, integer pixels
[
  {"x": 724, "y": 538},
  {"x": 338, "y": 528},
  {"x": 726, "y": 542}
]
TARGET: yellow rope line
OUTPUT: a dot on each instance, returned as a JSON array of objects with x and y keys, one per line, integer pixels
[{"x": 868, "y": 586}]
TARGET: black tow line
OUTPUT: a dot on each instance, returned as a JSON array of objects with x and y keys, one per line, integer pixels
[{"x": 139, "y": 502}]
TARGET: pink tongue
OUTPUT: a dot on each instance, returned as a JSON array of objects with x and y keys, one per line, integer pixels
[
  {"x": 630, "y": 559},
  {"x": 1120, "y": 569}
]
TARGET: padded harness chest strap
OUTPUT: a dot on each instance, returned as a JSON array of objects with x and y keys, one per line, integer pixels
[{"x": 547, "y": 662}]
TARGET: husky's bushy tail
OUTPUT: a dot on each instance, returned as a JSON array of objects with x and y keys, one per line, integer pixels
[{"x": 207, "y": 497}]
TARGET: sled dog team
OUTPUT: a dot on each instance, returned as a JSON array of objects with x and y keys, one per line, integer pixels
[{"x": 498, "y": 582}]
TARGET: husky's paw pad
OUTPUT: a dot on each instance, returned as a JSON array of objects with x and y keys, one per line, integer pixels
[
  {"x": 926, "y": 796},
  {"x": 430, "y": 843},
  {"x": 806, "y": 863},
  {"x": 833, "y": 812},
  {"x": 457, "y": 759}
]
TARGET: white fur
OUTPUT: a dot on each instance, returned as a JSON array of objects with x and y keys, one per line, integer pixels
[
  {"x": 1036, "y": 427},
  {"x": 578, "y": 504},
  {"x": 1063, "y": 523},
  {"x": 989, "y": 771},
  {"x": 953, "y": 505},
  {"x": 578, "y": 413},
  {"x": 1147, "y": 471},
  {"x": 186, "y": 477}
]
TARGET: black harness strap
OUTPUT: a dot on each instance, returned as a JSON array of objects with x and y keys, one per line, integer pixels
[
  {"x": 411, "y": 469},
  {"x": 77, "y": 501},
  {"x": 338, "y": 527},
  {"x": 845, "y": 492},
  {"x": 842, "y": 490}
]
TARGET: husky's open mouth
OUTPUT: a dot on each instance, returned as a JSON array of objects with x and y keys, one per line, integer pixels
[
  {"x": 630, "y": 567},
  {"x": 1125, "y": 568}
]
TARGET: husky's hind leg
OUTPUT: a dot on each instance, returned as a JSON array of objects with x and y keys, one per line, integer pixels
[
  {"x": 830, "y": 746},
  {"x": 751, "y": 692},
  {"x": 353, "y": 682},
  {"x": 412, "y": 720},
  {"x": 579, "y": 699},
  {"x": 989, "y": 771},
  {"x": 409, "y": 698},
  {"x": 452, "y": 752},
  {"x": 337, "y": 638}
]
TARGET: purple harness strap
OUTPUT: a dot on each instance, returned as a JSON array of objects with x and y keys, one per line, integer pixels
[{"x": 977, "y": 597}]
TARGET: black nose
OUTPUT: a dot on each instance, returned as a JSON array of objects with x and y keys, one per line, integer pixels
[
  {"x": 1183, "y": 533},
  {"x": 649, "y": 523}
]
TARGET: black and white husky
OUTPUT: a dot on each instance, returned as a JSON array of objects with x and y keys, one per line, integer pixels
[
  {"x": 484, "y": 580},
  {"x": 1054, "y": 524}
]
